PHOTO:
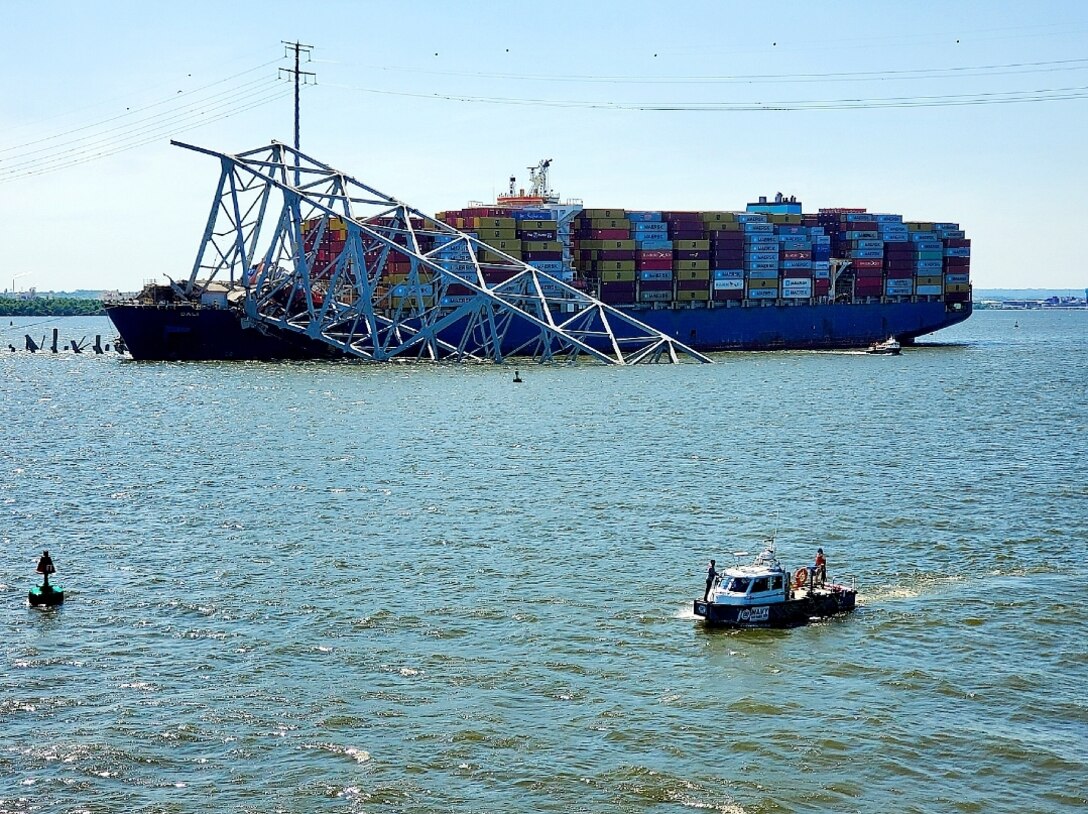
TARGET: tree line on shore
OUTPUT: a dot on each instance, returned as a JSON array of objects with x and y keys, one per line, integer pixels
[{"x": 51, "y": 307}]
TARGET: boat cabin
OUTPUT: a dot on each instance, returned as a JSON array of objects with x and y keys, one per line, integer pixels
[{"x": 762, "y": 582}]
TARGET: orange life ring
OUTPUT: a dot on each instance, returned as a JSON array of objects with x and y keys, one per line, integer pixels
[{"x": 800, "y": 578}]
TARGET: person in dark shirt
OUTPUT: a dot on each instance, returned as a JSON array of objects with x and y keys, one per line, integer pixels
[
  {"x": 711, "y": 574},
  {"x": 45, "y": 567}
]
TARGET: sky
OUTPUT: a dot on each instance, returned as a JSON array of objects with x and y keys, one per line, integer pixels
[{"x": 973, "y": 112}]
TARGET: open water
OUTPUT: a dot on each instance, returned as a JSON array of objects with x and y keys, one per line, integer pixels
[{"x": 334, "y": 588}]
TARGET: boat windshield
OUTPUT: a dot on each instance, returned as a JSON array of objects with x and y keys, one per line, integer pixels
[{"x": 738, "y": 585}]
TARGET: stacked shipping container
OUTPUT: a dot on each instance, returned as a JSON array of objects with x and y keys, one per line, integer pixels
[{"x": 690, "y": 259}]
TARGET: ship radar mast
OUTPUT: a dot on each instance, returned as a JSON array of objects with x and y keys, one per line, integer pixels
[{"x": 538, "y": 179}]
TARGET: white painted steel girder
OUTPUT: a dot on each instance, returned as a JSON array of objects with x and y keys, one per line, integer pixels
[{"x": 402, "y": 286}]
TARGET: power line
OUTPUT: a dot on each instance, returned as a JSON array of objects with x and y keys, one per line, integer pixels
[
  {"x": 194, "y": 106},
  {"x": 173, "y": 129},
  {"x": 169, "y": 100},
  {"x": 156, "y": 125},
  {"x": 1000, "y": 69},
  {"x": 1005, "y": 97}
]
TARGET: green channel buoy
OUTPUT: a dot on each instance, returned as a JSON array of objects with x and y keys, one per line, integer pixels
[{"x": 46, "y": 595}]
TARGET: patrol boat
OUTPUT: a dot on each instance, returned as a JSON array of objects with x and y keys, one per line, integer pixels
[{"x": 764, "y": 594}]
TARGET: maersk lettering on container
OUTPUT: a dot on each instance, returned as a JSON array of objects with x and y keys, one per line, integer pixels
[
  {"x": 655, "y": 274},
  {"x": 763, "y": 293}
]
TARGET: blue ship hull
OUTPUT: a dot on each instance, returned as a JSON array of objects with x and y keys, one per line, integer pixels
[{"x": 189, "y": 332}]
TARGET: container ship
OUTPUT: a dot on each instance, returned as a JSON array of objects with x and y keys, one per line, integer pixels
[{"x": 770, "y": 276}]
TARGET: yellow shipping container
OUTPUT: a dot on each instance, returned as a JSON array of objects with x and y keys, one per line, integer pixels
[
  {"x": 957, "y": 288},
  {"x": 542, "y": 246},
  {"x": 794, "y": 220},
  {"x": 496, "y": 234},
  {"x": 492, "y": 257},
  {"x": 603, "y": 214},
  {"x": 620, "y": 276},
  {"x": 506, "y": 244},
  {"x": 933, "y": 280},
  {"x": 723, "y": 226},
  {"x": 411, "y": 302},
  {"x": 610, "y": 223},
  {"x": 336, "y": 223},
  {"x": 615, "y": 265},
  {"x": 919, "y": 226},
  {"x": 537, "y": 225},
  {"x": 692, "y": 296},
  {"x": 692, "y": 274},
  {"x": 753, "y": 284},
  {"x": 494, "y": 223},
  {"x": 719, "y": 217},
  {"x": 692, "y": 245},
  {"x": 606, "y": 244}
]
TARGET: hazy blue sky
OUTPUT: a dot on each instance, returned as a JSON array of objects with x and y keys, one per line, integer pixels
[{"x": 93, "y": 196}]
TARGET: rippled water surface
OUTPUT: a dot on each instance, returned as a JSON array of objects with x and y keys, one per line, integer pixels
[{"x": 333, "y": 587}]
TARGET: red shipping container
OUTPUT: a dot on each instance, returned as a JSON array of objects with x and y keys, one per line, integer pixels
[
  {"x": 498, "y": 275},
  {"x": 868, "y": 263},
  {"x": 821, "y": 288},
  {"x": 616, "y": 254},
  {"x": 655, "y": 285},
  {"x": 957, "y": 296},
  {"x": 691, "y": 254},
  {"x": 655, "y": 254},
  {"x": 458, "y": 290},
  {"x": 795, "y": 254},
  {"x": 608, "y": 234},
  {"x": 654, "y": 264},
  {"x": 893, "y": 264},
  {"x": 542, "y": 256},
  {"x": 686, "y": 234},
  {"x": 692, "y": 285},
  {"x": 726, "y": 255},
  {"x": 870, "y": 274},
  {"x": 729, "y": 294},
  {"x": 958, "y": 243},
  {"x": 900, "y": 255},
  {"x": 900, "y": 274},
  {"x": 955, "y": 262}
]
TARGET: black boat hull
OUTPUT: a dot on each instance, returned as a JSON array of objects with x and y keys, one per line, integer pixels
[{"x": 792, "y": 612}]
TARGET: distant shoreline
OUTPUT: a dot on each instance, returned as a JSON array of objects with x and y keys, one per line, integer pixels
[{"x": 51, "y": 307}]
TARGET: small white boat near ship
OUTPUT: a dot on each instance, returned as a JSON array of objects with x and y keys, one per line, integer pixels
[{"x": 889, "y": 347}]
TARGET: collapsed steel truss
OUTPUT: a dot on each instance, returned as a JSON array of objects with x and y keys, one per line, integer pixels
[{"x": 453, "y": 296}]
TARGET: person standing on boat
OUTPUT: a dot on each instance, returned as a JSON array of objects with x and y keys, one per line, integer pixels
[
  {"x": 45, "y": 567},
  {"x": 711, "y": 575},
  {"x": 820, "y": 569}
]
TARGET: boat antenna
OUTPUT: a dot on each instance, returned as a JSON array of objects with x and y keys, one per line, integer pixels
[{"x": 301, "y": 78}]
